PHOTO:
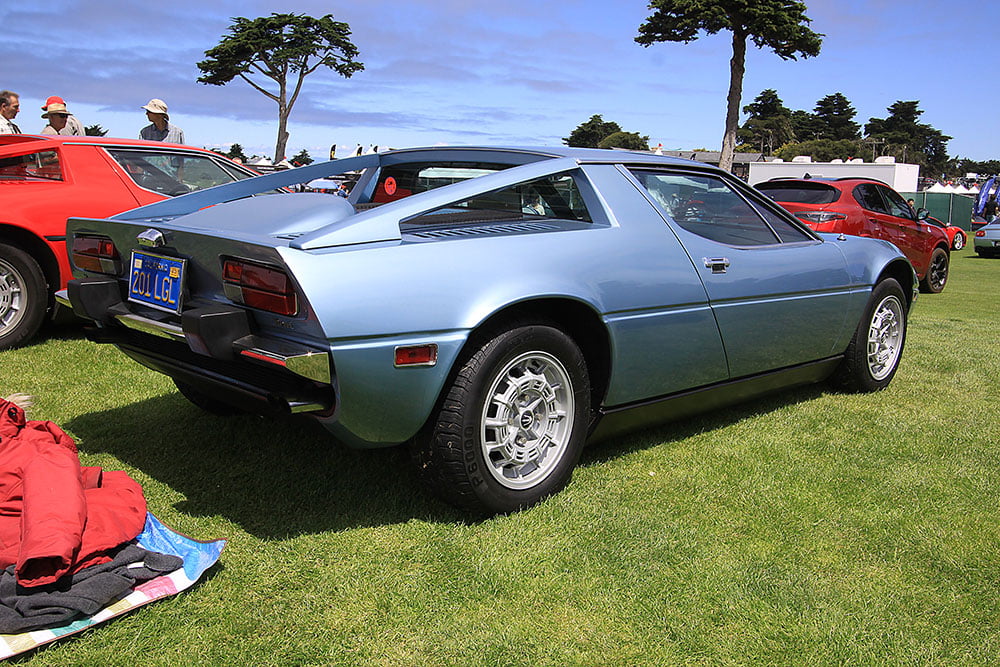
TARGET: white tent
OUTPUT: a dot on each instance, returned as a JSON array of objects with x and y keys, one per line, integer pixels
[{"x": 937, "y": 187}]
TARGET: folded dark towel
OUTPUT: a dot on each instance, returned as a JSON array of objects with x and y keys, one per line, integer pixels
[{"x": 77, "y": 595}]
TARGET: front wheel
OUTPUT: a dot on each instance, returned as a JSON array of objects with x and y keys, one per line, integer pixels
[
  {"x": 23, "y": 296},
  {"x": 512, "y": 425},
  {"x": 873, "y": 355},
  {"x": 937, "y": 272},
  {"x": 959, "y": 241}
]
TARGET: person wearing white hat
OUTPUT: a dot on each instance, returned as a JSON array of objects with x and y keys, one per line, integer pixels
[
  {"x": 160, "y": 129},
  {"x": 61, "y": 121}
]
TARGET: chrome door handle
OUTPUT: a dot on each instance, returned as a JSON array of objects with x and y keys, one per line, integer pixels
[{"x": 717, "y": 264}]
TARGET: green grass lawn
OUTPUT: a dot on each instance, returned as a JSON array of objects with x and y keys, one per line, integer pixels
[{"x": 806, "y": 528}]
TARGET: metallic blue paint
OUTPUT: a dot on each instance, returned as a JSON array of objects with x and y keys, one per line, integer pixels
[{"x": 368, "y": 284}]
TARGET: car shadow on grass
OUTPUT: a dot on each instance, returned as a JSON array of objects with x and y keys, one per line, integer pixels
[
  {"x": 686, "y": 426},
  {"x": 278, "y": 478},
  {"x": 275, "y": 478}
]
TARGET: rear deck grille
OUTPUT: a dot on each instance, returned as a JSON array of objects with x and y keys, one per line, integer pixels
[{"x": 515, "y": 228}]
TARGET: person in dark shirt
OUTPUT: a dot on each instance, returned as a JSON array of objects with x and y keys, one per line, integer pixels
[{"x": 990, "y": 210}]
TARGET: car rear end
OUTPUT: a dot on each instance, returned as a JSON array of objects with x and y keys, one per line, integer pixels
[
  {"x": 217, "y": 313},
  {"x": 816, "y": 203},
  {"x": 987, "y": 240}
]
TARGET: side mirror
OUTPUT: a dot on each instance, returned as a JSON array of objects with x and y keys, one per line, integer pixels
[{"x": 922, "y": 213}]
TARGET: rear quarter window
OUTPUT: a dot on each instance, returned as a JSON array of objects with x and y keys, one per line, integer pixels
[
  {"x": 42, "y": 165},
  {"x": 800, "y": 193}
]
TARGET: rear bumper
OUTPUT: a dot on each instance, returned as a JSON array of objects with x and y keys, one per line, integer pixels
[{"x": 212, "y": 348}]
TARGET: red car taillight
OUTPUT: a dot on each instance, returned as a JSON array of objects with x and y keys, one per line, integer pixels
[
  {"x": 980, "y": 233},
  {"x": 259, "y": 286},
  {"x": 97, "y": 254},
  {"x": 819, "y": 217}
]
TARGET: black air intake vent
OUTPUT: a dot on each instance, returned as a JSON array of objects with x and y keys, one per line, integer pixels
[{"x": 486, "y": 230}]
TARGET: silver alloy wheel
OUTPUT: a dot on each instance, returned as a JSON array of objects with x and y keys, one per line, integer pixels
[
  {"x": 959, "y": 241},
  {"x": 11, "y": 297},
  {"x": 527, "y": 419},
  {"x": 885, "y": 337}
]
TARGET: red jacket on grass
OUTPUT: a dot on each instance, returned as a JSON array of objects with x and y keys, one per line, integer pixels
[{"x": 57, "y": 517}]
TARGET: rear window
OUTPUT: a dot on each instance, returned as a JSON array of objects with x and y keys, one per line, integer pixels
[
  {"x": 557, "y": 196},
  {"x": 399, "y": 181},
  {"x": 800, "y": 193},
  {"x": 43, "y": 165}
]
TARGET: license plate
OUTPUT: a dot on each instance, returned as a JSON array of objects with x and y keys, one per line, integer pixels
[{"x": 156, "y": 281}]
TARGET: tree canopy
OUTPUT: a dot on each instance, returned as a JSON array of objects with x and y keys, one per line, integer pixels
[
  {"x": 835, "y": 118},
  {"x": 907, "y": 139},
  {"x": 302, "y": 158},
  {"x": 821, "y": 150},
  {"x": 780, "y": 25},
  {"x": 769, "y": 125},
  {"x": 590, "y": 133},
  {"x": 632, "y": 141},
  {"x": 284, "y": 48}
]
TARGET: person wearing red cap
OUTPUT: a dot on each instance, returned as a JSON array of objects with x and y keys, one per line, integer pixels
[{"x": 60, "y": 120}]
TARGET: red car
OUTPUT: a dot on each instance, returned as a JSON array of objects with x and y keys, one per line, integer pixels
[
  {"x": 46, "y": 179},
  {"x": 957, "y": 238},
  {"x": 866, "y": 207}
]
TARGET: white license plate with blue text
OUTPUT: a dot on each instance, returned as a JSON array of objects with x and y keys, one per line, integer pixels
[{"x": 156, "y": 281}]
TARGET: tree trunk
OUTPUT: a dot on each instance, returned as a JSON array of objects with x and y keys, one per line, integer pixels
[
  {"x": 283, "y": 111},
  {"x": 279, "y": 148},
  {"x": 737, "y": 67}
]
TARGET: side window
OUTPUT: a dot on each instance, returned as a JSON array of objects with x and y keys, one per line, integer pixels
[
  {"x": 708, "y": 207},
  {"x": 786, "y": 231},
  {"x": 868, "y": 196},
  {"x": 556, "y": 196},
  {"x": 897, "y": 205},
  {"x": 43, "y": 164},
  {"x": 173, "y": 174}
]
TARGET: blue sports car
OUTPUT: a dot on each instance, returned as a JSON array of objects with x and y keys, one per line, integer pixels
[{"x": 493, "y": 307}]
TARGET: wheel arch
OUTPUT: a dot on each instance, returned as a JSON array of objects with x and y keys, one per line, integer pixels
[
  {"x": 902, "y": 271},
  {"x": 575, "y": 318},
  {"x": 39, "y": 251}
]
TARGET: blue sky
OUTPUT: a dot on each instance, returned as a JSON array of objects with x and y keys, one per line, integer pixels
[{"x": 518, "y": 72}]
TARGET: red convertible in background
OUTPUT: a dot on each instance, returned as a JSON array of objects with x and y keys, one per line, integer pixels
[{"x": 46, "y": 179}]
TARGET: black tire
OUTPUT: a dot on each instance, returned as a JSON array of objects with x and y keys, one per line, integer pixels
[
  {"x": 872, "y": 358},
  {"x": 206, "y": 402},
  {"x": 958, "y": 242},
  {"x": 495, "y": 383},
  {"x": 24, "y": 296},
  {"x": 937, "y": 272}
]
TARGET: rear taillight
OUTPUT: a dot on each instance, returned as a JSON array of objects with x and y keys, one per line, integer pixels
[
  {"x": 980, "y": 233},
  {"x": 97, "y": 254},
  {"x": 819, "y": 217},
  {"x": 259, "y": 286}
]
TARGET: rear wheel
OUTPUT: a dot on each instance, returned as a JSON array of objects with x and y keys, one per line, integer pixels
[
  {"x": 873, "y": 356},
  {"x": 23, "y": 296},
  {"x": 937, "y": 272},
  {"x": 511, "y": 427},
  {"x": 959, "y": 241}
]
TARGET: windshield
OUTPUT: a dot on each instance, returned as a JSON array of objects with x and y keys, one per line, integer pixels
[{"x": 174, "y": 174}]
